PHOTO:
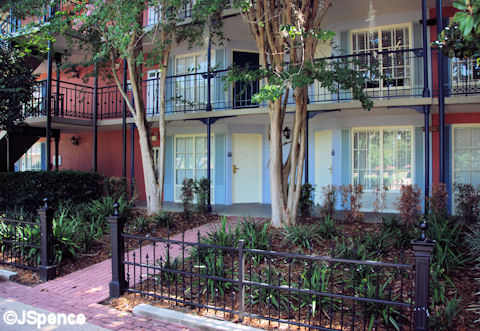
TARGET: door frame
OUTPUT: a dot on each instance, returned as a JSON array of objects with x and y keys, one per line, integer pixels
[{"x": 260, "y": 162}]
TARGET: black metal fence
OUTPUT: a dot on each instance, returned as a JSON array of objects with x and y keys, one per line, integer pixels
[
  {"x": 274, "y": 287},
  {"x": 29, "y": 244}
]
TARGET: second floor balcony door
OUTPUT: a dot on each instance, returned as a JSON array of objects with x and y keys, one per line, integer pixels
[{"x": 244, "y": 91}]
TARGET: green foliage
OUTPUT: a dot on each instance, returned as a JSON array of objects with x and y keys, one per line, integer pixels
[
  {"x": 448, "y": 234},
  {"x": 140, "y": 224},
  {"x": 303, "y": 236},
  {"x": 267, "y": 296},
  {"x": 305, "y": 204},
  {"x": 202, "y": 190},
  {"x": 117, "y": 188},
  {"x": 317, "y": 278},
  {"x": 467, "y": 203},
  {"x": 394, "y": 233},
  {"x": 215, "y": 266},
  {"x": 29, "y": 188},
  {"x": 168, "y": 275},
  {"x": 473, "y": 243},
  {"x": 329, "y": 199},
  {"x": 104, "y": 207},
  {"x": 460, "y": 38},
  {"x": 328, "y": 228},
  {"x": 163, "y": 219},
  {"x": 17, "y": 83},
  {"x": 255, "y": 235},
  {"x": 222, "y": 235},
  {"x": 188, "y": 187},
  {"x": 445, "y": 317}
]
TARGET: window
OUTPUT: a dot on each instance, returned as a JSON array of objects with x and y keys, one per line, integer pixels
[
  {"x": 191, "y": 160},
  {"x": 466, "y": 155},
  {"x": 154, "y": 13},
  {"x": 465, "y": 73},
  {"x": 382, "y": 158},
  {"x": 32, "y": 159},
  {"x": 191, "y": 88},
  {"x": 394, "y": 64}
]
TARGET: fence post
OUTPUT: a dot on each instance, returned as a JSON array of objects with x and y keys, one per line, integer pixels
[
  {"x": 241, "y": 279},
  {"x": 422, "y": 251},
  {"x": 47, "y": 269},
  {"x": 117, "y": 285}
]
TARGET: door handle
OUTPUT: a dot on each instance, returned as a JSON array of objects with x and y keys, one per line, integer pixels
[{"x": 235, "y": 168}]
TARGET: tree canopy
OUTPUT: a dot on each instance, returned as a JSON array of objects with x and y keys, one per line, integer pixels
[{"x": 17, "y": 85}]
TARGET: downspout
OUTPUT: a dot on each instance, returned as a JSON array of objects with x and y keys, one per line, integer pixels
[
  {"x": 441, "y": 96},
  {"x": 426, "y": 108}
]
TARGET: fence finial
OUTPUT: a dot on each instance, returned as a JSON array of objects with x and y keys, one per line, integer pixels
[
  {"x": 45, "y": 201},
  {"x": 423, "y": 229},
  {"x": 115, "y": 207}
]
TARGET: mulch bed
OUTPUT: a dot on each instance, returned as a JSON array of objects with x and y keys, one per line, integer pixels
[{"x": 464, "y": 279}]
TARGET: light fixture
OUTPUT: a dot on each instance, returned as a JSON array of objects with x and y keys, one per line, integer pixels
[
  {"x": 286, "y": 132},
  {"x": 74, "y": 141}
]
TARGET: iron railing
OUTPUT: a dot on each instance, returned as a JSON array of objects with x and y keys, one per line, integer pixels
[
  {"x": 29, "y": 244},
  {"x": 398, "y": 74},
  {"x": 20, "y": 243},
  {"x": 277, "y": 287}
]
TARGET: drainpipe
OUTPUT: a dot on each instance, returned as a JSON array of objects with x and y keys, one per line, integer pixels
[
  {"x": 124, "y": 123},
  {"x": 426, "y": 108},
  {"x": 95, "y": 115},
  {"x": 441, "y": 96}
]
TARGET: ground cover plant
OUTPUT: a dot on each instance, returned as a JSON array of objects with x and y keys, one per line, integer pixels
[{"x": 454, "y": 305}]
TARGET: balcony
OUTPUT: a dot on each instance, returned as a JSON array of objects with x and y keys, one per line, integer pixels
[{"x": 401, "y": 76}]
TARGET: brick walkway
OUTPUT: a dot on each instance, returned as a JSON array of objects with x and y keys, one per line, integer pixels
[{"x": 83, "y": 290}]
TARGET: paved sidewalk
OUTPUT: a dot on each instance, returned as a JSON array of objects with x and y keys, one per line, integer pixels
[{"x": 83, "y": 290}]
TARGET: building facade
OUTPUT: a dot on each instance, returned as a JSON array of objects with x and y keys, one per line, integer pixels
[{"x": 395, "y": 143}]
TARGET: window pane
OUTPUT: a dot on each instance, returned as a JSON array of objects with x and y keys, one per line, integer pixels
[
  {"x": 475, "y": 137},
  {"x": 462, "y": 177},
  {"x": 201, "y": 174},
  {"x": 462, "y": 138},
  {"x": 180, "y": 161},
  {"x": 200, "y": 144},
  {"x": 475, "y": 178},
  {"x": 181, "y": 145},
  {"x": 475, "y": 160},
  {"x": 189, "y": 145},
  {"x": 462, "y": 160},
  {"x": 201, "y": 161},
  {"x": 180, "y": 176},
  {"x": 189, "y": 161}
]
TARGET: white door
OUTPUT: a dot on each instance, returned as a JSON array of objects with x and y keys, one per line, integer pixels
[
  {"x": 323, "y": 162},
  {"x": 247, "y": 168}
]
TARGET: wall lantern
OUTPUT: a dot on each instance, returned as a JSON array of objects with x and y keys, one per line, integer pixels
[
  {"x": 286, "y": 132},
  {"x": 74, "y": 141}
]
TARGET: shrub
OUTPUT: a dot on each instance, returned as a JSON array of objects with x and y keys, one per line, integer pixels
[
  {"x": 438, "y": 199},
  {"x": 188, "y": 186},
  {"x": 140, "y": 224},
  {"x": 163, "y": 219},
  {"x": 305, "y": 204},
  {"x": 351, "y": 201},
  {"x": 409, "y": 203},
  {"x": 29, "y": 188},
  {"x": 301, "y": 235},
  {"x": 395, "y": 233},
  {"x": 328, "y": 228},
  {"x": 329, "y": 199},
  {"x": 255, "y": 235},
  {"x": 104, "y": 207},
  {"x": 117, "y": 187},
  {"x": 201, "y": 189},
  {"x": 473, "y": 243},
  {"x": 467, "y": 202},
  {"x": 445, "y": 315}
]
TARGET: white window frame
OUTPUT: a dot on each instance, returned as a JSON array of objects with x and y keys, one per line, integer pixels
[
  {"x": 178, "y": 187},
  {"x": 381, "y": 129},
  {"x": 407, "y": 25},
  {"x": 456, "y": 126},
  {"x": 25, "y": 162},
  {"x": 197, "y": 104}
]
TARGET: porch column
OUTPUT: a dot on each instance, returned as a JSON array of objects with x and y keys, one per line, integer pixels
[
  {"x": 124, "y": 123},
  {"x": 48, "y": 105},
  {"x": 209, "y": 151},
  {"x": 426, "y": 108},
  {"x": 95, "y": 115},
  {"x": 441, "y": 96},
  {"x": 209, "y": 76}
]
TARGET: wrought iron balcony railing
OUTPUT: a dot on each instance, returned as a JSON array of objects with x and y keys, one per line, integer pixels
[{"x": 399, "y": 74}]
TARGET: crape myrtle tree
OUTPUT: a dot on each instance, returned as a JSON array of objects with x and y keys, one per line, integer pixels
[
  {"x": 112, "y": 31},
  {"x": 287, "y": 33},
  {"x": 17, "y": 84},
  {"x": 461, "y": 38}
]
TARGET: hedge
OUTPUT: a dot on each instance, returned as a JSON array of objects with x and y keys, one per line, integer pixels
[{"x": 28, "y": 189}]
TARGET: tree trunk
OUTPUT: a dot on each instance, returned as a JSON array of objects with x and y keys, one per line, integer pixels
[{"x": 276, "y": 165}]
